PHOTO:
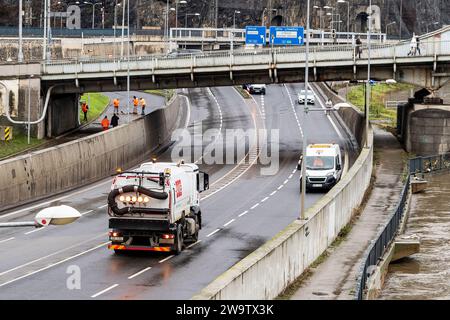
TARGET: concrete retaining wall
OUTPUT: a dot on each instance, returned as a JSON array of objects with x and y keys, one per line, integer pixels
[
  {"x": 50, "y": 171},
  {"x": 266, "y": 272}
]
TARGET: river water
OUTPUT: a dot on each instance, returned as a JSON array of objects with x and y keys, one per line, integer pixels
[{"x": 425, "y": 275}]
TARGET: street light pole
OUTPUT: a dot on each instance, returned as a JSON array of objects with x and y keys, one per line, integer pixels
[
  {"x": 389, "y": 24},
  {"x": 234, "y": 27},
  {"x": 128, "y": 63},
  {"x": 367, "y": 111},
  {"x": 123, "y": 27},
  {"x": 348, "y": 16},
  {"x": 20, "y": 54},
  {"x": 305, "y": 141}
]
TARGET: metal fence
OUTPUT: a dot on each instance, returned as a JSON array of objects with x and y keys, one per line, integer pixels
[
  {"x": 75, "y": 33},
  {"x": 384, "y": 239},
  {"x": 429, "y": 164}
]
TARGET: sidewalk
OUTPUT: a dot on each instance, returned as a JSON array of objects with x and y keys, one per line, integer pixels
[{"x": 335, "y": 278}]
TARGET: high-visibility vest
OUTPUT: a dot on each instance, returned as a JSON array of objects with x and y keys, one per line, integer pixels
[
  {"x": 143, "y": 102},
  {"x": 136, "y": 102},
  {"x": 105, "y": 123},
  {"x": 84, "y": 107},
  {"x": 116, "y": 102}
]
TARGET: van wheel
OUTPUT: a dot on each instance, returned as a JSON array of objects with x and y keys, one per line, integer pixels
[{"x": 179, "y": 243}]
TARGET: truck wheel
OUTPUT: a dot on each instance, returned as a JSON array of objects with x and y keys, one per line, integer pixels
[{"x": 179, "y": 243}]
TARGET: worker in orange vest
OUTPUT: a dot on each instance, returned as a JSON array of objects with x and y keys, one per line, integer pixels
[
  {"x": 105, "y": 123},
  {"x": 116, "y": 105},
  {"x": 85, "y": 109},
  {"x": 143, "y": 104},
  {"x": 135, "y": 103}
]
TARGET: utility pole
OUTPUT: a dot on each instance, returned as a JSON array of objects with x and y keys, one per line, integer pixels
[
  {"x": 305, "y": 141},
  {"x": 20, "y": 54}
]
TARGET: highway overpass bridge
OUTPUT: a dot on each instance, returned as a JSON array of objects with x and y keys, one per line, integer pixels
[{"x": 63, "y": 81}]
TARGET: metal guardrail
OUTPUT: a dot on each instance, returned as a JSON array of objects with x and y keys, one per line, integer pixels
[
  {"x": 74, "y": 33},
  {"x": 384, "y": 239},
  {"x": 393, "y": 104},
  {"x": 419, "y": 165}
]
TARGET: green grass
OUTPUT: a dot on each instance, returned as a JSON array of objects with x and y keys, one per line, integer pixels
[
  {"x": 243, "y": 92},
  {"x": 97, "y": 103},
  {"x": 18, "y": 144},
  {"x": 163, "y": 93},
  {"x": 378, "y": 93}
]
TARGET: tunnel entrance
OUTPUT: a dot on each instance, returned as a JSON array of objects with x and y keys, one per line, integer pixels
[{"x": 361, "y": 22}]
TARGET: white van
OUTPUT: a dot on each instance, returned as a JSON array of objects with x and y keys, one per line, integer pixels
[{"x": 323, "y": 166}]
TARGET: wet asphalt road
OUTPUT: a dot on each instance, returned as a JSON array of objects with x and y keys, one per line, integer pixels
[{"x": 37, "y": 263}]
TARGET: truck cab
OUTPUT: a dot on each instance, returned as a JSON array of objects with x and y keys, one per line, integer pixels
[
  {"x": 156, "y": 207},
  {"x": 323, "y": 166}
]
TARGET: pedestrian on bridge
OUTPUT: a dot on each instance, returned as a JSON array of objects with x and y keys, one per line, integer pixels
[
  {"x": 143, "y": 104},
  {"x": 116, "y": 103},
  {"x": 85, "y": 109},
  {"x": 418, "y": 44},
  {"x": 358, "y": 49},
  {"x": 413, "y": 46},
  {"x": 105, "y": 123},
  {"x": 135, "y": 104},
  {"x": 114, "y": 120}
]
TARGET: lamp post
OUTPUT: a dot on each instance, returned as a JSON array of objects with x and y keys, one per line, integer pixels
[
  {"x": 329, "y": 14},
  {"x": 320, "y": 16},
  {"x": 401, "y": 19},
  {"x": 368, "y": 88},
  {"x": 128, "y": 62},
  {"x": 186, "y": 16},
  {"x": 232, "y": 30},
  {"x": 176, "y": 10},
  {"x": 93, "y": 4},
  {"x": 115, "y": 27},
  {"x": 348, "y": 15},
  {"x": 305, "y": 141},
  {"x": 20, "y": 53},
  {"x": 389, "y": 24}
]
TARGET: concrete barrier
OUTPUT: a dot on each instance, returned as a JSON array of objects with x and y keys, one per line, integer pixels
[
  {"x": 266, "y": 272},
  {"x": 47, "y": 172}
]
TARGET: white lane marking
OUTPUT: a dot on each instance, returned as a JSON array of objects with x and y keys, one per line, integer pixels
[
  {"x": 279, "y": 188},
  {"x": 243, "y": 213},
  {"x": 229, "y": 222},
  {"x": 51, "y": 265},
  {"x": 168, "y": 258},
  {"x": 285, "y": 181},
  {"x": 101, "y": 207},
  {"x": 9, "y": 239},
  {"x": 195, "y": 243},
  {"x": 293, "y": 110},
  {"x": 52, "y": 254},
  {"x": 188, "y": 116},
  {"x": 273, "y": 192},
  {"x": 103, "y": 291},
  {"x": 328, "y": 116},
  {"x": 215, "y": 231},
  {"x": 138, "y": 273},
  {"x": 54, "y": 200},
  {"x": 33, "y": 231},
  {"x": 84, "y": 213},
  {"x": 290, "y": 177},
  {"x": 254, "y": 206},
  {"x": 293, "y": 172},
  {"x": 263, "y": 200}
]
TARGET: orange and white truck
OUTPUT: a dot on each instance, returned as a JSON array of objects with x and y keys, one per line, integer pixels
[{"x": 156, "y": 207}]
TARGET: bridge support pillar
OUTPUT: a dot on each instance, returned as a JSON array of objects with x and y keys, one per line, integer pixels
[{"x": 63, "y": 113}]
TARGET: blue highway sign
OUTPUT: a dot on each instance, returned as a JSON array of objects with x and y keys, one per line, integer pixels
[
  {"x": 255, "y": 35},
  {"x": 287, "y": 36}
]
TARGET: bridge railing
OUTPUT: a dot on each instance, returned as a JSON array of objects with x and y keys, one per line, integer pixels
[{"x": 253, "y": 57}]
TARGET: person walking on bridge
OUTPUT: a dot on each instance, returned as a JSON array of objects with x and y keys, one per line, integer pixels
[
  {"x": 413, "y": 46},
  {"x": 143, "y": 104},
  {"x": 114, "y": 120},
  {"x": 105, "y": 123},
  {"x": 85, "y": 109},
  {"x": 116, "y": 103},
  {"x": 135, "y": 104},
  {"x": 358, "y": 49}
]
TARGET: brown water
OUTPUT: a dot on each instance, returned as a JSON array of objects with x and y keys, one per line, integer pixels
[{"x": 425, "y": 275}]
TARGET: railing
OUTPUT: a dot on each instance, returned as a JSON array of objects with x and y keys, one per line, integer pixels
[
  {"x": 429, "y": 164},
  {"x": 393, "y": 104},
  {"x": 384, "y": 239},
  {"x": 419, "y": 165},
  {"x": 75, "y": 33}
]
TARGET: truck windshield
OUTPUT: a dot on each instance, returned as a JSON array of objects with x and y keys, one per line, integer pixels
[
  {"x": 148, "y": 181},
  {"x": 319, "y": 163}
]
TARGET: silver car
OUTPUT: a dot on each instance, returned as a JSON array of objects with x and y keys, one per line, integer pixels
[{"x": 310, "y": 99}]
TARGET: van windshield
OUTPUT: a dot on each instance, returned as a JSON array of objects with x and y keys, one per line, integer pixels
[{"x": 319, "y": 163}]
